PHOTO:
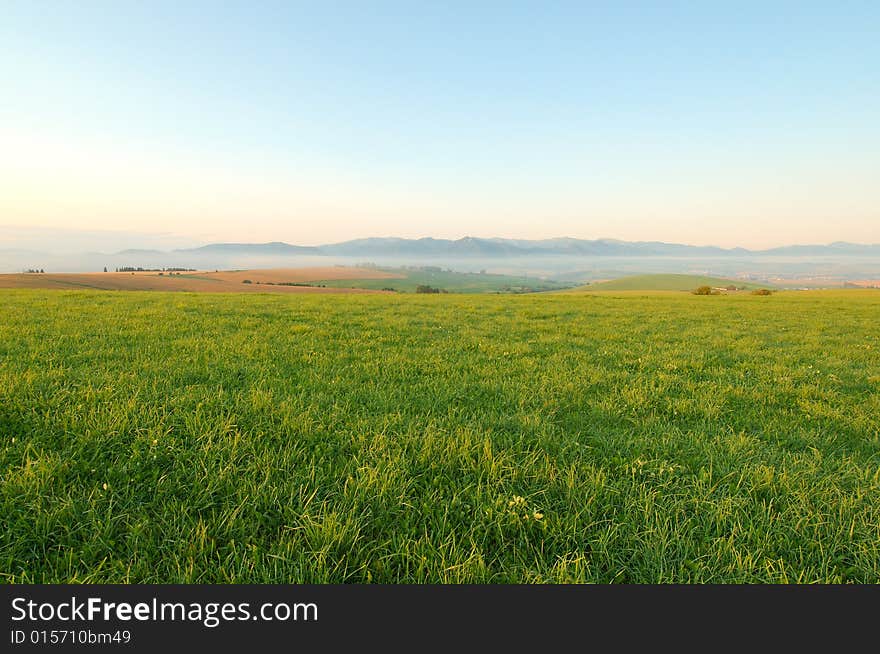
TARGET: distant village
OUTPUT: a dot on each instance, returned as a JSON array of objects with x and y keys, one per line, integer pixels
[{"x": 863, "y": 283}]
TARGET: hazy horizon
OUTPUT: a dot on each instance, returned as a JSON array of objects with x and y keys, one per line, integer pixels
[
  {"x": 72, "y": 240},
  {"x": 732, "y": 126},
  {"x": 71, "y": 250}
]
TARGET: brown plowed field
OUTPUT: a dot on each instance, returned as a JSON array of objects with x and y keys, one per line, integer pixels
[{"x": 201, "y": 281}]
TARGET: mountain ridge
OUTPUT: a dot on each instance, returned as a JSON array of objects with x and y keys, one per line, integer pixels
[{"x": 469, "y": 246}]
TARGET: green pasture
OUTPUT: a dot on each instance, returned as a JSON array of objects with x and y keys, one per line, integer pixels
[
  {"x": 267, "y": 438},
  {"x": 671, "y": 282}
]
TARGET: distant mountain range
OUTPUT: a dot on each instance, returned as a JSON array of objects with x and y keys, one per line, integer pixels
[
  {"x": 554, "y": 258},
  {"x": 276, "y": 248},
  {"x": 502, "y": 247}
]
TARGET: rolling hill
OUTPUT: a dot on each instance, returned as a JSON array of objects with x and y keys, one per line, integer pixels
[
  {"x": 324, "y": 279},
  {"x": 667, "y": 283},
  {"x": 328, "y": 279},
  {"x": 407, "y": 280}
]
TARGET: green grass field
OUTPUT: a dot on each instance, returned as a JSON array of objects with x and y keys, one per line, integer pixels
[
  {"x": 450, "y": 281},
  {"x": 152, "y": 437},
  {"x": 670, "y": 282}
]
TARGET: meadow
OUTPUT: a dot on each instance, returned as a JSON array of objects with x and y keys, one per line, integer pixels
[
  {"x": 670, "y": 282},
  {"x": 275, "y": 280},
  {"x": 409, "y": 279},
  {"x": 325, "y": 279},
  {"x": 176, "y": 437}
]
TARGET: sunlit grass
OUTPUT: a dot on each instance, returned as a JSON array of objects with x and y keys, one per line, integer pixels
[{"x": 150, "y": 437}]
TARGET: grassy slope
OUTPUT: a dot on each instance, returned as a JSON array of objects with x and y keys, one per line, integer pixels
[
  {"x": 667, "y": 283},
  {"x": 454, "y": 282},
  {"x": 224, "y": 281},
  {"x": 273, "y": 438}
]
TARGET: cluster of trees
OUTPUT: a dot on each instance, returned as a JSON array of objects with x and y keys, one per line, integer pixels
[
  {"x": 34, "y": 270},
  {"x": 250, "y": 281},
  {"x": 296, "y": 284},
  {"x": 424, "y": 288},
  {"x": 708, "y": 290}
]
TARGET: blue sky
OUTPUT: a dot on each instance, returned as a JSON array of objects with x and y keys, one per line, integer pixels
[{"x": 750, "y": 124}]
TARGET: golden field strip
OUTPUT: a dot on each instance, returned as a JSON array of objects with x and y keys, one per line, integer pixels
[{"x": 263, "y": 281}]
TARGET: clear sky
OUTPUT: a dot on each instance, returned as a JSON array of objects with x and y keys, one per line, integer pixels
[{"x": 735, "y": 123}]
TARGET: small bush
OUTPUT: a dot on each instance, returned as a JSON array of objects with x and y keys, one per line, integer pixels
[
  {"x": 702, "y": 290},
  {"x": 246, "y": 281},
  {"x": 762, "y": 291}
]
